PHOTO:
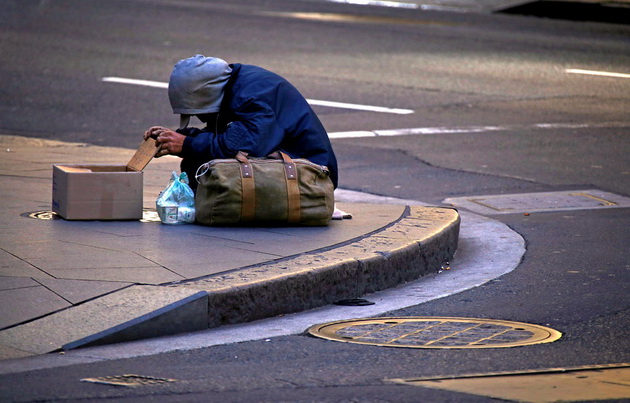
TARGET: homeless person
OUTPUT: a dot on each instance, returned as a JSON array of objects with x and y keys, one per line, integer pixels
[{"x": 245, "y": 108}]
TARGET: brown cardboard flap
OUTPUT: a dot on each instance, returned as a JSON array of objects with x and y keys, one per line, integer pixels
[{"x": 145, "y": 153}]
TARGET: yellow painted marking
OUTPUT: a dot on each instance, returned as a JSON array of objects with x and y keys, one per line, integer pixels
[{"x": 588, "y": 383}]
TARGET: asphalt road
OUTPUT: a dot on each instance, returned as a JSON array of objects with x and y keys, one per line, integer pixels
[{"x": 498, "y": 106}]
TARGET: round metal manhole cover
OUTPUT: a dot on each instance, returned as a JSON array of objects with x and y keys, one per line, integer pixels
[
  {"x": 42, "y": 215},
  {"x": 435, "y": 332}
]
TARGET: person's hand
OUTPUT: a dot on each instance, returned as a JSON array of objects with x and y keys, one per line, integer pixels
[
  {"x": 152, "y": 132},
  {"x": 167, "y": 140}
]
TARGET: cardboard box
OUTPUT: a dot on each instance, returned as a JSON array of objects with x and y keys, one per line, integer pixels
[
  {"x": 101, "y": 192},
  {"x": 97, "y": 192}
]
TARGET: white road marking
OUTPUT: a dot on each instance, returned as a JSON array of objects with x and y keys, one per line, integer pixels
[
  {"x": 399, "y": 4},
  {"x": 471, "y": 129},
  {"x": 369, "y": 108},
  {"x": 416, "y": 131},
  {"x": 408, "y": 131},
  {"x": 330, "y": 104},
  {"x": 597, "y": 73},
  {"x": 394, "y": 4},
  {"x": 145, "y": 83}
]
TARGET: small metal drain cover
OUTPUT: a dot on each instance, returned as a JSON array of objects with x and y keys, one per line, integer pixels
[
  {"x": 128, "y": 380},
  {"x": 435, "y": 332},
  {"x": 540, "y": 202},
  {"x": 42, "y": 215}
]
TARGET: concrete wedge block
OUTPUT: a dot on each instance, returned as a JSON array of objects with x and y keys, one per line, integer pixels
[{"x": 137, "y": 312}]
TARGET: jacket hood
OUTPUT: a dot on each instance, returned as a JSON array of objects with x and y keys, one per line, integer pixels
[{"x": 196, "y": 85}]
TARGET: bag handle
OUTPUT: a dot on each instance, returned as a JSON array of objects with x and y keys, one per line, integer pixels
[{"x": 248, "y": 207}]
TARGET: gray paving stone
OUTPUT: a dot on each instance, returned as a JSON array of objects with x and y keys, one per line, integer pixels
[
  {"x": 12, "y": 266},
  {"x": 50, "y": 247},
  {"x": 133, "y": 313},
  {"x": 23, "y": 304},
  {"x": 201, "y": 251},
  {"x": 12, "y": 283},
  {"x": 76, "y": 291},
  {"x": 88, "y": 257},
  {"x": 139, "y": 275}
]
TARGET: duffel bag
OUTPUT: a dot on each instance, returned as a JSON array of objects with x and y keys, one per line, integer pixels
[{"x": 276, "y": 190}]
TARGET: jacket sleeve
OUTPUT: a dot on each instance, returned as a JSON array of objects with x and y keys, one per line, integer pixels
[{"x": 204, "y": 145}]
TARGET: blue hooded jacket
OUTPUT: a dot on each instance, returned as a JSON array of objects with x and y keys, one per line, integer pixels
[{"x": 260, "y": 113}]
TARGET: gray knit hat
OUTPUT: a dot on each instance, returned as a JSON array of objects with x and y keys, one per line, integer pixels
[{"x": 196, "y": 86}]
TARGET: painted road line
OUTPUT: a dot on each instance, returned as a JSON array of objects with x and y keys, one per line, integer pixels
[
  {"x": 368, "y": 108},
  {"x": 329, "y": 104},
  {"x": 131, "y": 81},
  {"x": 394, "y": 4},
  {"x": 597, "y": 73},
  {"x": 398, "y": 4},
  {"x": 418, "y": 131}
]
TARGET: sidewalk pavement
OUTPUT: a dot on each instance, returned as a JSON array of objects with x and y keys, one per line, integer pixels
[{"x": 68, "y": 284}]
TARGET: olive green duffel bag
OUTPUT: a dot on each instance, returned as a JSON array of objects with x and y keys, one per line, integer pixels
[{"x": 276, "y": 190}]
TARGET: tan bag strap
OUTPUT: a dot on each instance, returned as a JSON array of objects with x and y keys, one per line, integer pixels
[
  {"x": 248, "y": 188},
  {"x": 248, "y": 207},
  {"x": 293, "y": 188}
]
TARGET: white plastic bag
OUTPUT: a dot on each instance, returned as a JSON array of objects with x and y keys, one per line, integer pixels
[{"x": 176, "y": 204}]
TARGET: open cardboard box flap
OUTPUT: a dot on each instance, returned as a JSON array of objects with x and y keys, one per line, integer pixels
[{"x": 144, "y": 154}]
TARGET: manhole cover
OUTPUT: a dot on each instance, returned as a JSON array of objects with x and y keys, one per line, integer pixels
[
  {"x": 434, "y": 332},
  {"x": 128, "y": 380},
  {"x": 540, "y": 202},
  {"x": 42, "y": 215}
]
